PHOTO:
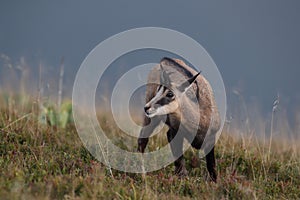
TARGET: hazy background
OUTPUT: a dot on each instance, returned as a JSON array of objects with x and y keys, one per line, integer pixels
[{"x": 255, "y": 44}]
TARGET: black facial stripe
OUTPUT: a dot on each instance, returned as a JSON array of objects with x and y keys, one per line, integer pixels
[
  {"x": 159, "y": 87},
  {"x": 165, "y": 88},
  {"x": 163, "y": 101}
]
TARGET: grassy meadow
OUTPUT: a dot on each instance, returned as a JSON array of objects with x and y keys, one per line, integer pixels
[{"x": 42, "y": 157}]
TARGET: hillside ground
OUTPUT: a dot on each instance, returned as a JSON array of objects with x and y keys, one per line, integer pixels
[{"x": 42, "y": 161}]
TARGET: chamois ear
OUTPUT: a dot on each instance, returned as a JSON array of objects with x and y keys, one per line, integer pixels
[
  {"x": 185, "y": 85},
  {"x": 164, "y": 77}
]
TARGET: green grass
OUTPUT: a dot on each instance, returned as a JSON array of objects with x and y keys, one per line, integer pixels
[{"x": 48, "y": 162}]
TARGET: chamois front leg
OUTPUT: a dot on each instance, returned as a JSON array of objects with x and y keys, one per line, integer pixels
[
  {"x": 177, "y": 151},
  {"x": 211, "y": 165},
  {"x": 149, "y": 126},
  {"x": 142, "y": 143}
]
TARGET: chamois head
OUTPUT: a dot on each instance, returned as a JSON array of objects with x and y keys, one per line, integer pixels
[{"x": 167, "y": 95}]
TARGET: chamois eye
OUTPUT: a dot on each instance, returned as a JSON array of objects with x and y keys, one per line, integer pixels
[{"x": 170, "y": 94}]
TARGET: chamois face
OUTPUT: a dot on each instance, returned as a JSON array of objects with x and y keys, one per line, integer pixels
[
  {"x": 163, "y": 103},
  {"x": 167, "y": 95}
]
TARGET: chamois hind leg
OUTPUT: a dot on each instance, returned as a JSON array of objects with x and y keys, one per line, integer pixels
[
  {"x": 211, "y": 165},
  {"x": 177, "y": 151},
  {"x": 210, "y": 155}
]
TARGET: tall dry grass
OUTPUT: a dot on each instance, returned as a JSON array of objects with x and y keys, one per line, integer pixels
[{"x": 47, "y": 161}]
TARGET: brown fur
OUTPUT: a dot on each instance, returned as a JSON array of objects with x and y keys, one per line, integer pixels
[{"x": 209, "y": 121}]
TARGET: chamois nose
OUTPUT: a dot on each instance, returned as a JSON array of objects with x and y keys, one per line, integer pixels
[{"x": 146, "y": 108}]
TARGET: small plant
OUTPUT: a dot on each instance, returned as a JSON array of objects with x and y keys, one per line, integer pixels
[{"x": 51, "y": 116}]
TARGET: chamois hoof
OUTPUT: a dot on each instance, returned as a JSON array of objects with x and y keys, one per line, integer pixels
[{"x": 212, "y": 178}]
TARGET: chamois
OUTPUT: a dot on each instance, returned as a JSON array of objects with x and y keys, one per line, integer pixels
[{"x": 184, "y": 98}]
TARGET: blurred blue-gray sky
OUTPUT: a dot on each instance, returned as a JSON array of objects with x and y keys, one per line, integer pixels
[{"x": 254, "y": 43}]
